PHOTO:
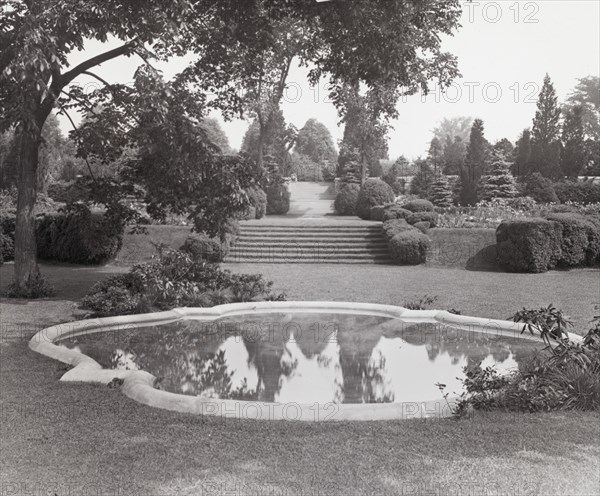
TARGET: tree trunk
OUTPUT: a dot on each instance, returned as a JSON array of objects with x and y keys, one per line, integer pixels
[
  {"x": 25, "y": 245},
  {"x": 363, "y": 170}
]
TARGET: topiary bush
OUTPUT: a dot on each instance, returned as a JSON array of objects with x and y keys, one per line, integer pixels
[
  {"x": 258, "y": 199},
  {"x": 395, "y": 212},
  {"x": 585, "y": 192},
  {"x": 409, "y": 247},
  {"x": 580, "y": 241},
  {"x": 395, "y": 226},
  {"x": 423, "y": 226},
  {"x": 377, "y": 213},
  {"x": 346, "y": 199},
  {"x": 278, "y": 199},
  {"x": 430, "y": 217},
  {"x": 373, "y": 192},
  {"x": 249, "y": 214},
  {"x": 78, "y": 237},
  {"x": 419, "y": 206},
  {"x": 528, "y": 245},
  {"x": 203, "y": 247},
  {"x": 540, "y": 188}
]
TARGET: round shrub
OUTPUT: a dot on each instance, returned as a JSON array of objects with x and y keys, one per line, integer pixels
[
  {"x": 409, "y": 247},
  {"x": 422, "y": 226},
  {"x": 278, "y": 199},
  {"x": 430, "y": 217},
  {"x": 395, "y": 211},
  {"x": 540, "y": 188},
  {"x": 78, "y": 237},
  {"x": 395, "y": 226},
  {"x": 249, "y": 214},
  {"x": 373, "y": 192},
  {"x": 120, "y": 294},
  {"x": 345, "y": 201},
  {"x": 419, "y": 206},
  {"x": 258, "y": 199},
  {"x": 528, "y": 245},
  {"x": 377, "y": 213},
  {"x": 203, "y": 247}
]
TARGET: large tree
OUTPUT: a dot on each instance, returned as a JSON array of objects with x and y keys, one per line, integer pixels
[
  {"x": 392, "y": 47},
  {"x": 455, "y": 151},
  {"x": 545, "y": 133},
  {"x": 436, "y": 155},
  {"x": 522, "y": 154},
  {"x": 574, "y": 155},
  {"x": 475, "y": 161},
  {"x": 314, "y": 140},
  {"x": 587, "y": 95},
  {"x": 453, "y": 127}
]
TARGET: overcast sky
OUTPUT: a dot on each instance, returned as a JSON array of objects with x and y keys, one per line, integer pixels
[{"x": 504, "y": 50}]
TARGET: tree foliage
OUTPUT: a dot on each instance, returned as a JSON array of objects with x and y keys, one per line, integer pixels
[
  {"x": 499, "y": 183},
  {"x": 574, "y": 156},
  {"x": 477, "y": 154}
]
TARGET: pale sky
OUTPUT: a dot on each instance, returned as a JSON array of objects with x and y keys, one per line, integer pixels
[{"x": 504, "y": 49}]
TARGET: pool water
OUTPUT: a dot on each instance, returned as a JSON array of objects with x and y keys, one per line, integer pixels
[{"x": 305, "y": 358}]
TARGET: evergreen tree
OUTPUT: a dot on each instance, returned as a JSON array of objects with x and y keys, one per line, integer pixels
[
  {"x": 500, "y": 183},
  {"x": 522, "y": 154},
  {"x": 545, "y": 134},
  {"x": 441, "y": 192},
  {"x": 471, "y": 173},
  {"x": 394, "y": 174},
  {"x": 349, "y": 165},
  {"x": 422, "y": 181},
  {"x": 573, "y": 158},
  {"x": 506, "y": 147},
  {"x": 436, "y": 155}
]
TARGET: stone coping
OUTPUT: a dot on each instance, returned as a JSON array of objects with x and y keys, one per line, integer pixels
[{"x": 139, "y": 385}]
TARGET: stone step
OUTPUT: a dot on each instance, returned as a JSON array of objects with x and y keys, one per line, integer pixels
[
  {"x": 293, "y": 251},
  {"x": 240, "y": 258},
  {"x": 366, "y": 245}
]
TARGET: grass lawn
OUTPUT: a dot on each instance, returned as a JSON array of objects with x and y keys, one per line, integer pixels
[{"x": 90, "y": 439}]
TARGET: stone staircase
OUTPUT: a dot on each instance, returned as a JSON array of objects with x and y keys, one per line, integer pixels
[{"x": 309, "y": 242}]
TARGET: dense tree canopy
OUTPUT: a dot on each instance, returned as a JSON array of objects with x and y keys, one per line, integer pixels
[{"x": 314, "y": 140}]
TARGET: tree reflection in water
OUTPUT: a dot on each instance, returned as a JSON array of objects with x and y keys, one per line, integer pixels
[{"x": 358, "y": 359}]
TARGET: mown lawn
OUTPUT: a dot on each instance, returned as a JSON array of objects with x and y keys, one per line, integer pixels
[{"x": 90, "y": 439}]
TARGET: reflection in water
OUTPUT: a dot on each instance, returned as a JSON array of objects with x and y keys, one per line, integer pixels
[
  {"x": 305, "y": 358},
  {"x": 308, "y": 380}
]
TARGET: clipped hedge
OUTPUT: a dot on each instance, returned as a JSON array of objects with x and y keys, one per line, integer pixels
[
  {"x": 528, "y": 245},
  {"x": 258, "y": 199},
  {"x": 419, "y": 206},
  {"x": 202, "y": 247},
  {"x": 580, "y": 241},
  {"x": 409, "y": 247},
  {"x": 78, "y": 237},
  {"x": 422, "y": 226},
  {"x": 395, "y": 212},
  {"x": 278, "y": 199},
  {"x": 345, "y": 200},
  {"x": 373, "y": 192},
  {"x": 579, "y": 192}
]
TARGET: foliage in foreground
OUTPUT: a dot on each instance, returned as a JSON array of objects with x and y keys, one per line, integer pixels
[
  {"x": 563, "y": 376},
  {"x": 172, "y": 279}
]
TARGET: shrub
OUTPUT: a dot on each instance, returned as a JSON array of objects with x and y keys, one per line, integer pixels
[
  {"x": 419, "y": 206},
  {"x": 249, "y": 214},
  {"x": 203, "y": 247},
  {"x": 67, "y": 192},
  {"x": 430, "y": 217},
  {"x": 540, "y": 189},
  {"x": 173, "y": 279},
  {"x": 278, "y": 199},
  {"x": 422, "y": 226},
  {"x": 345, "y": 201},
  {"x": 528, "y": 245},
  {"x": 441, "y": 193},
  {"x": 395, "y": 226},
  {"x": 7, "y": 248},
  {"x": 36, "y": 287},
  {"x": 258, "y": 199},
  {"x": 8, "y": 221},
  {"x": 377, "y": 213},
  {"x": 409, "y": 247},
  {"x": 78, "y": 237},
  {"x": 395, "y": 212},
  {"x": 580, "y": 242},
  {"x": 579, "y": 192},
  {"x": 372, "y": 193}
]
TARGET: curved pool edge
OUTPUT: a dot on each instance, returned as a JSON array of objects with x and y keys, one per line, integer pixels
[{"x": 140, "y": 385}]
